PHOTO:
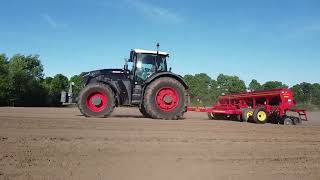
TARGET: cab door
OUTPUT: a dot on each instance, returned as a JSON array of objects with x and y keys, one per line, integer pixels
[{"x": 144, "y": 67}]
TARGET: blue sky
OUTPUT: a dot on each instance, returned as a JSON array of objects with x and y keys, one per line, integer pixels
[{"x": 260, "y": 39}]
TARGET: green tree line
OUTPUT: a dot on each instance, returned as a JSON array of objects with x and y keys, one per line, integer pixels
[{"x": 22, "y": 83}]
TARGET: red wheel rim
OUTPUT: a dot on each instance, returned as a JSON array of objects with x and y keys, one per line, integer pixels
[
  {"x": 167, "y": 99},
  {"x": 97, "y": 101}
]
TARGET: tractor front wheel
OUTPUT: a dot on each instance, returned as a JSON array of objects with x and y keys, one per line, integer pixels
[
  {"x": 96, "y": 100},
  {"x": 165, "y": 98},
  {"x": 143, "y": 112}
]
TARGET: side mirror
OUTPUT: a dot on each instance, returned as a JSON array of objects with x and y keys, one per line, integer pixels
[{"x": 125, "y": 64}]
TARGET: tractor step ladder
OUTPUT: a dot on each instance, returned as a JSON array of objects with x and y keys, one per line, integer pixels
[{"x": 137, "y": 94}]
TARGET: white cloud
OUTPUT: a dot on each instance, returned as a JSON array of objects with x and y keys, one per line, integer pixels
[
  {"x": 154, "y": 12},
  {"x": 52, "y": 22}
]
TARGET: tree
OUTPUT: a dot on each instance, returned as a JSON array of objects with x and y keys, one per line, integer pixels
[
  {"x": 25, "y": 74},
  {"x": 78, "y": 83},
  {"x": 205, "y": 91},
  {"x": 230, "y": 84},
  {"x": 306, "y": 93},
  {"x": 4, "y": 80},
  {"x": 298, "y": 93},
  {"x": 273, "y": 85},
  {"x": 214, "y": 92},
  {"x": 47, "y": 82},
  {"x": 302, "y": 92},
  {"x": 29, "y": 65},
  {"x": 315, "y": 91},
  {"x": 58, "y": 83},
  {"x": 254, "y": 85},
  {"x": 199, "y": 85}
]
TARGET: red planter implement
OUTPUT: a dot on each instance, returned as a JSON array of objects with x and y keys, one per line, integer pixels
[{"x": 259, "y": 106}]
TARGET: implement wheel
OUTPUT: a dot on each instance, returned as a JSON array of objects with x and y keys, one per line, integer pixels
[
  {"x": 215, "y": 116},
  {"x": 96, "y": 100},
  {"x": 165, "y": 98},
  {"x": 220, "y": 117},
  {"x": 236, "y": 117},
  {"x": 260, "y": 115},
  {"x": 296, "y": 121},
  {"x": 247, "y": 114},
  {"x": 211, "y": 116},
  {"x": 288, "y": 121}
]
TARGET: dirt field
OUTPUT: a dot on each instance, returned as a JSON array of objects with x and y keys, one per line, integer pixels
[{"x": 59, "y": 143}]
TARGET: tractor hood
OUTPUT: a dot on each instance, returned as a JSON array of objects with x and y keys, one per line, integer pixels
[
  {"x": 112, "y": 74},
  {"x": 96, "y": 73}
]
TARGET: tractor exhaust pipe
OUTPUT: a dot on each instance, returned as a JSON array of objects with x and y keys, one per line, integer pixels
[{"x": 158, "y": 45}]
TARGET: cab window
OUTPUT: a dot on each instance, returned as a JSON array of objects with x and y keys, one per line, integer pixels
[
  {"x": 147, "y": 64},
  {"x": 145, "y": 67}
]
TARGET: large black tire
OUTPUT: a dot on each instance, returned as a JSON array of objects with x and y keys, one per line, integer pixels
[
  {"x": 143, "y": 112},
  {"x": 211, "y": 116},
  {"x": 172, "y": 106},
  {"x": 216, "y": 116},
  {"x": 296, "y": 121},
  {"x": 247, "y": 114},
  {"x": 260, "y": 115},
  {"x": 236, "y": 117},
  {"x": 288, "y": 121},
  {"x": 96, "y": 100}
]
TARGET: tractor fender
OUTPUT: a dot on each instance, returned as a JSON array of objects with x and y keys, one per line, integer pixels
[
  {"x": 166, "y": 74},
  {"x": 107, "y": 81}
]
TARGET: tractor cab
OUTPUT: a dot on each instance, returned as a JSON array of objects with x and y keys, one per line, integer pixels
[{"x": 146, "y": 63}]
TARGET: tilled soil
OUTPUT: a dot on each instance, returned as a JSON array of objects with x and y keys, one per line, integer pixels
[{"x": 59, "y": 143}]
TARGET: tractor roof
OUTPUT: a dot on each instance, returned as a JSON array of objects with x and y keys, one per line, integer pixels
[{"x": 141, "y": 51}]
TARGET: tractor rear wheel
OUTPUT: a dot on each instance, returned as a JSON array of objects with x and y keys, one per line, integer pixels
[
  {"x": 96, "y": 100},
  {"x": 165, "y": 98},
  {"x": 260, "y": 115},
  {"x": 247, "y": 114}
]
